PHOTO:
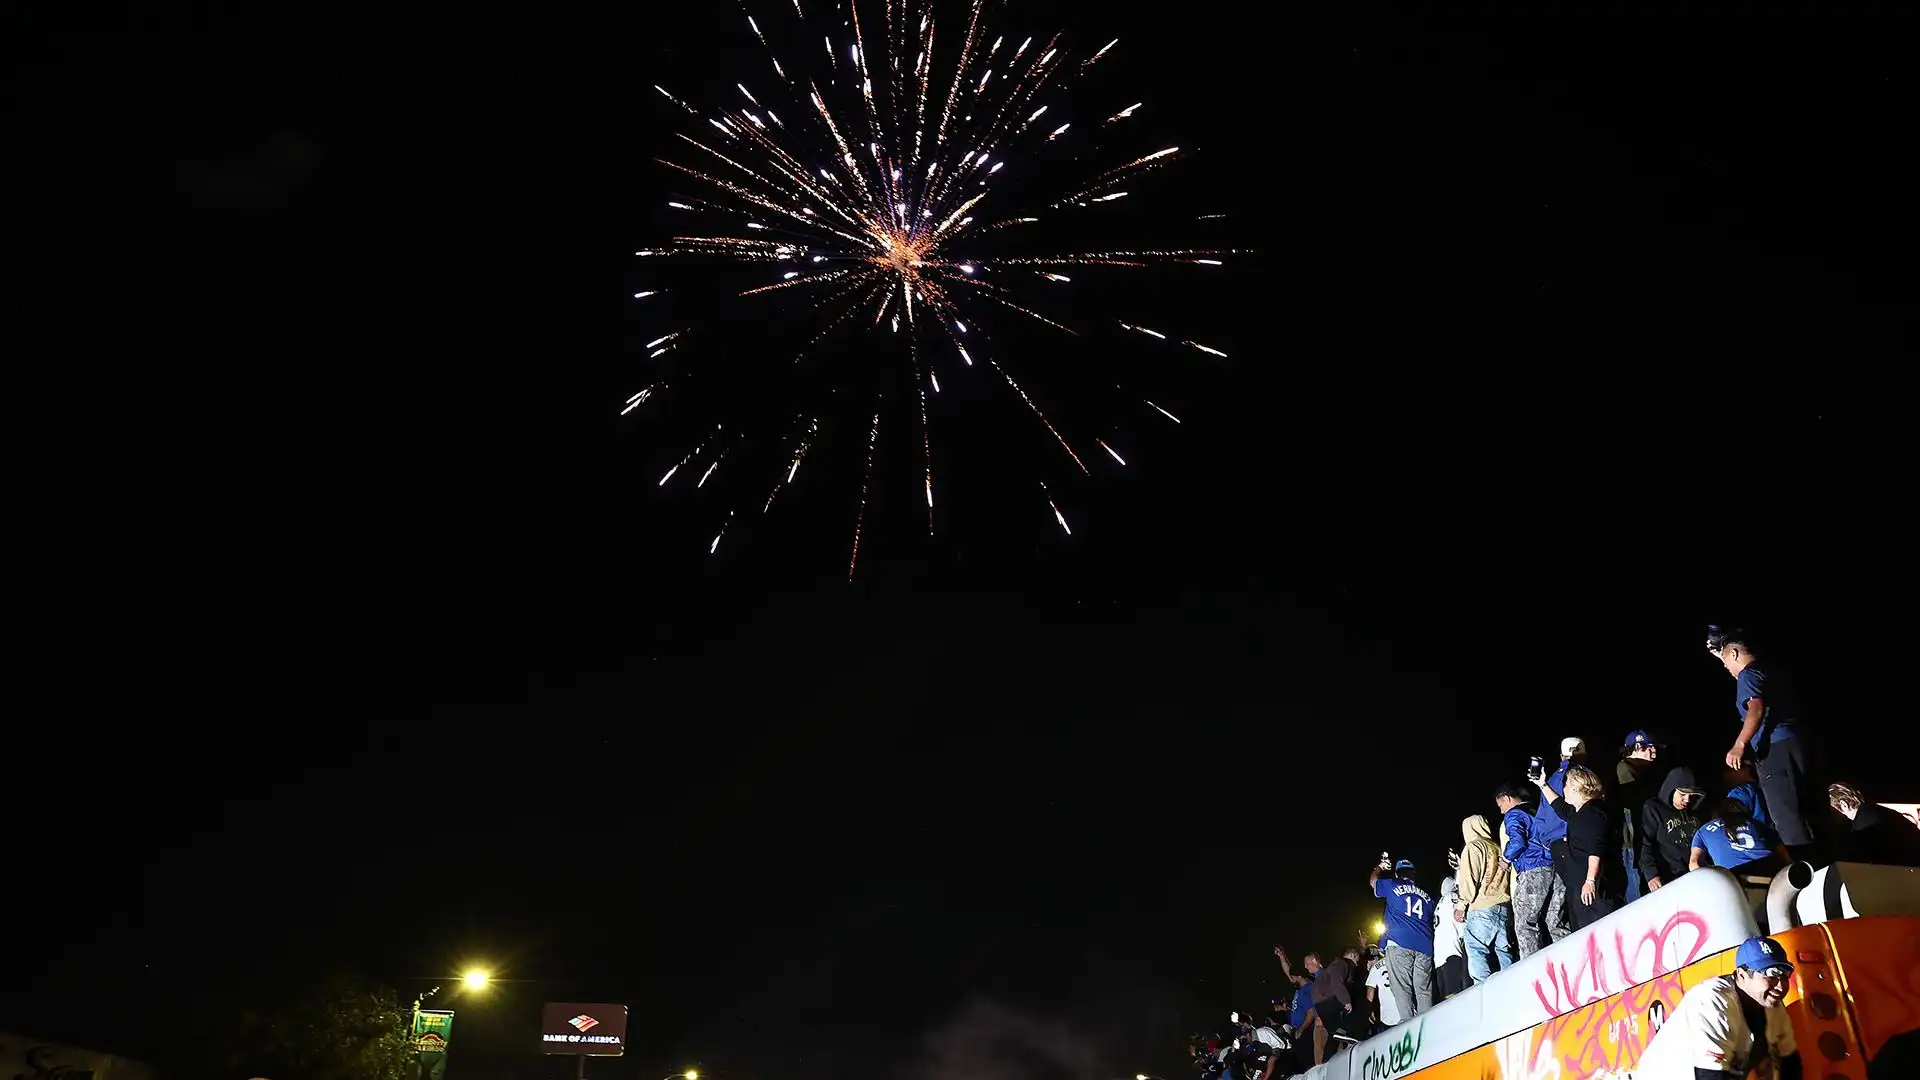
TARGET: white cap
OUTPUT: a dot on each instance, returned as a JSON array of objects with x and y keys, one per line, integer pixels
[{"x": 1570, "y": 746}]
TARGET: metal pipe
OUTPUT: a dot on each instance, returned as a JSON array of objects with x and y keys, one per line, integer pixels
[{"x": 1781, "y": 893}]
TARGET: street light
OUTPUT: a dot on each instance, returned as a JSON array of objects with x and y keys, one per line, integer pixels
[
  {"x": 1379, "y": 928},
  {"x": 476, "y": 979}
]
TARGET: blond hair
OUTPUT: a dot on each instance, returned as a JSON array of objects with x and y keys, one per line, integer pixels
[
  {"x": 1586, "y": 782},
  {"x": 1844, "y": 796}
]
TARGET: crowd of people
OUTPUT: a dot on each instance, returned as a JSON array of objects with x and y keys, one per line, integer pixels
[{"x": 1572, "y": 844}]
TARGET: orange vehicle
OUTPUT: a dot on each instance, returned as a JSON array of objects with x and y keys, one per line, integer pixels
[{"x": 1586, "y": 1007}]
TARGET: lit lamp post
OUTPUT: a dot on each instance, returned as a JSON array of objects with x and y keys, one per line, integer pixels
[
  {"x": 473, "y": 981},
  {"x": 433, "y": 1028}
]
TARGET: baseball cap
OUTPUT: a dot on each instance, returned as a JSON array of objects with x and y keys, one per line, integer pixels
[
  {"x": 1403, "y": 864},
  {"x": 1640, "y": 737},
  {"x": 1572, "y": 745},
  {"x": 1761, "y": 954}
]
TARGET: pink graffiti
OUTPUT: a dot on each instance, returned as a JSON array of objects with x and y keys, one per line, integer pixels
[
  {"x": 1568, "y": 986},
  {"x": 1604, "y": 1039}
]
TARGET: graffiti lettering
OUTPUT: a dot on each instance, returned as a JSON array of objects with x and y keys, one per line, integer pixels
[
  {"x": 1396, "y": 1057},
  {"x": 1628, "y": 1027},
  {"x": 1569, "y": 985},
  {"x": 1571, "y": 990},
  {"x": 1609, "y": 1038},
  {"x": 1602, "y": 1040},
  {"x": 1663, "y": 959},
  {"x": 1523, "y": 1058}
]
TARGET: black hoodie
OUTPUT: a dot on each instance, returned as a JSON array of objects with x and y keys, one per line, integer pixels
[{"x": 1666, "y": 834}]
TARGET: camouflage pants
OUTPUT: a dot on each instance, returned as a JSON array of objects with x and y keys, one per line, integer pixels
[{"x": 1539, "y": 910}]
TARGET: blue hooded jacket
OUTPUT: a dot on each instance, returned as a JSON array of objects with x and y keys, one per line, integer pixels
[{"x": 1524, "y": 851}]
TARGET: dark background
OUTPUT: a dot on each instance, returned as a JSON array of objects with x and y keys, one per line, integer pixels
[{"x": 353, "y": 632}]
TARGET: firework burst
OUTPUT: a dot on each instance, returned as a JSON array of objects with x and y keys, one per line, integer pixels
[{"x": 862, "y": 178}]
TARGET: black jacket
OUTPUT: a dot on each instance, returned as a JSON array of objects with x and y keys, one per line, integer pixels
[
  {"x": 1666, "y": 834},
  {"x": 1881, "y": 836},
  {"x": 1335, "y": 982},
  {"x": 1591, "y": 830},
  {"x": 1631, "y": 789}
]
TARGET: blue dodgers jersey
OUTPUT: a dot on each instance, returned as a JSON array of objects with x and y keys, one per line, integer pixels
[
  {"x": 1302, "y": 1005},
  {"x": 1409, "y": 914},
  {"x": 1748, "y": 795},
  {"x": 1731, "y": 847}
]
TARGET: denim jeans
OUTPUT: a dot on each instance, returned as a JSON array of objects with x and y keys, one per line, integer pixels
[
  {"x": 1485, "y": 937},
  {"x": 1632, "y": 876}
]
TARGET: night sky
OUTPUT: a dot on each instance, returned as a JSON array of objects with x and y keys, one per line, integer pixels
[{"x": 353, "y": 633}]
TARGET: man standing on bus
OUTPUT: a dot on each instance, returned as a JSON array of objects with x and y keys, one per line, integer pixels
[
  {"x": 1488, "y": 921},
  {"x": 1333, "y": 986},
  {"x": 1307, "y": 1031},
  {"x": 1725, "y": 1028},
  {"x": 1636, "y": 780},
  {"x": 1409, "y": 937},
  {"x": 1549, "y": 827},
  {"x": 1769, "y": 737},
  {"x": 1539, "y": 896}
]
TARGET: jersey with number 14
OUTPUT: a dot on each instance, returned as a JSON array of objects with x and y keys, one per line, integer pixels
[{"x": 1409, "y": 914}]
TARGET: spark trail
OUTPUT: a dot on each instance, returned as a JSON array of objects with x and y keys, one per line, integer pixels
[{"x": 875, "y": 209}]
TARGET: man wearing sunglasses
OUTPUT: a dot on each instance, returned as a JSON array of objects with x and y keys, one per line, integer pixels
[{"x": 1729, "y": 1027}]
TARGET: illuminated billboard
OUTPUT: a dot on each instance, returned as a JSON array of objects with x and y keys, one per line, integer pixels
[{"x": 572, "y": 1027}]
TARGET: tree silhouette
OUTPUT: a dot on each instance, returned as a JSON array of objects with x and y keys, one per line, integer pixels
[{"x": 341, "y": 1029}]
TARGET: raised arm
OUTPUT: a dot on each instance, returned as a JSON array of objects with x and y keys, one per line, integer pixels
[{"x": 1285, "y": 968}]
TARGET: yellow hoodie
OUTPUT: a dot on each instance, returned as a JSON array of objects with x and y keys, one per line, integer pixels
[{"x": 1479, "y": 858}]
